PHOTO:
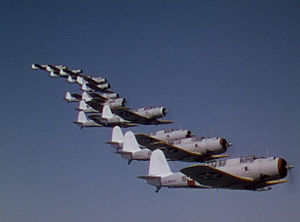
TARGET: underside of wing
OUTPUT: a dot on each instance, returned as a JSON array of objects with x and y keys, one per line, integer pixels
[
  {"x": 176, "y": 153},
  {"x": 96, "y": 118},
  {"x": 132, "y": 116},
  {"x": 216, "y": 178},
  {"x": 145, "y": 140}
]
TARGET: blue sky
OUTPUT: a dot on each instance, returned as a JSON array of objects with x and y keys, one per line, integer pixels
[{"x": 222, "y": 68}]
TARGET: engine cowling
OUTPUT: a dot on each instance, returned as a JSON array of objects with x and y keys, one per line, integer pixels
[
  {"x": 153, "y": 112},
  {"x": 171, "y": 134},
  {"x": 114, "y": 103}
]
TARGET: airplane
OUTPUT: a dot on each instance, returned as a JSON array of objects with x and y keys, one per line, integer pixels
[
  {"x": 131, "y": 150},
  {"x": 38, "y": 67},
  {"x": 160, "y": 174},
  {"x": 96, "y": 107},
  {"x": 106, "y": 119},
  {"x": 83, "y": 106},
  {"x": 244, "y": 173},
  {"x": 102, "y": 97},
  {"x": 117, "y": 138},
  {"x": 84, "y": 79},
  {"x": 189, "y": 149},
  {"x": 183, "y": 154},
  {"x": 83, "y": 121},
  {"x": 167, "y": 135},
  {"x": 144, "y": 116},
  {"x": 72, "y": 97},
  {"x": 98, "y": 102},
  {"x": 102, "y": 87}
]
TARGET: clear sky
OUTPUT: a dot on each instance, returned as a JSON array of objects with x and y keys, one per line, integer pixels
[{"x": 222, "y": 68}]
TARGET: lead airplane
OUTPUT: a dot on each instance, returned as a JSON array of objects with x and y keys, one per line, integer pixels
[
  {"x": 160, "y": 174},
  {"x": 244, "y": 173},
  {"x": 264, "y": 173}
]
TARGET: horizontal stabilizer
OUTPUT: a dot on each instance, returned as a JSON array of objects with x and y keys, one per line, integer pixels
[
  {"x": 112, "y": 143},
  {"x": 123, "y": 152},
  {"x": 146, "y": 177}
]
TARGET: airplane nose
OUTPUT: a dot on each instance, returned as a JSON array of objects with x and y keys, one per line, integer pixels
[
  {"x": 189, "y": 134},
  {"x": 164, "y": 111},
  {"x": 224, "y": 143},
  {"x": 282, "y": 167},
  {"x": 124, "y": 101}
]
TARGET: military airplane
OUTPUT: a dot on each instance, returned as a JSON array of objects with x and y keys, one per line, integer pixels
[
  {"x": 182, "y": 153},
  {"x": 72, "y": 97},
  {"x": 97, "y": 103},
  {"x": 144, "y": 116},
  {"x": 190, "y": 149},
  {"x": 169, "y": 135},
  {"x": 128, "y": 147},
  {"x": 102, "y": 87},
  {"x": 244, "y": 173},
  {"x": 83, "y": 121},
  {"x": 106, "y": 119},
  {"x": 160, "y": 175}
]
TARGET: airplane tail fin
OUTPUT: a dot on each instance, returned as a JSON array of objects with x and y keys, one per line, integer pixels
[
  {"x": 106, "y": 112},
  {"x": 117, "y": 136},
  {"x": 82, "y": 105},
  {"x": 158, "y": 164},
  {"x": 70, "y": 79},
  {"x": 84, "y": 88},
  {"x": 79, "y": 80},
  {"x": 53, "y": 75},
  {"x": 82, "y": 117},
  {"x": 86, "y": 97},
  {"x": 130, "y": 143},
  {"x": 68, "y": 96}
]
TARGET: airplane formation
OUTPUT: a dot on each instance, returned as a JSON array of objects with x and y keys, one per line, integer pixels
[{"x": 99, "y": 106}]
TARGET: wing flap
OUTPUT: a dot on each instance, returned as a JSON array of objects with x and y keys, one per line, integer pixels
[{"x": 145, "y": 140}]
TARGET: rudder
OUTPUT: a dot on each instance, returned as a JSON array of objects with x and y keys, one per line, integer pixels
[
  {"x": 81, "y": 117},
  {"x": 158, "y": 164},
  {"x": 130, "y": 143},
  {"x": 106, "y": 112},
  {"x": 117, "y": 135}
]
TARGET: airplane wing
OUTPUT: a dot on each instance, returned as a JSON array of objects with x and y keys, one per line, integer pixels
[
  {"x": 95, "y": 118},
  {"x": 216, "y": 178},
  {"x": 177, "y": 153},
  {"x": 135, "y": 117},
  {"x": 146, "y": 140},
  {"x": 172, "y": 152},
  {"x": 97, "y": 89}
]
